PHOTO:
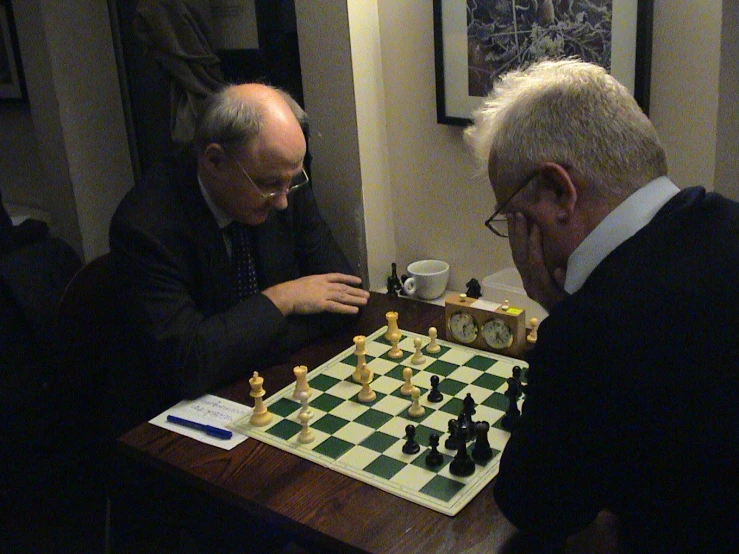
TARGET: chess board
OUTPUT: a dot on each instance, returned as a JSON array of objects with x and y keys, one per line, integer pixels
[{"x": 365, "y": 440}]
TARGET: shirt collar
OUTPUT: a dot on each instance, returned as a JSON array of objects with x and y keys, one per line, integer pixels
[
  {"x": 624, "y": 222},
  {"x": 222, "y": 218}
]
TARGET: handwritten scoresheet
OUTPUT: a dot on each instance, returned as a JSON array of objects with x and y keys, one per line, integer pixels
[{"x": 210, "y": 410}]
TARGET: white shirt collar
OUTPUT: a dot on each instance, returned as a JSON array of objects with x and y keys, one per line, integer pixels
[
  {"x": 618, "y": 226},
  {"x": 222, "y": 218}
]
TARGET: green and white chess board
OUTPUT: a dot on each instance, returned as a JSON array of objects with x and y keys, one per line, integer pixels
[{"x": 365, "y": 440}]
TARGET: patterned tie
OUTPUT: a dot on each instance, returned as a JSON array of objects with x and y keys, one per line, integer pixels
[{"x": 243, "y": 268}]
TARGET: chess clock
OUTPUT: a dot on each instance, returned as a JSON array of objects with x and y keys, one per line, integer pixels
[{"x": 485, "y": 325}]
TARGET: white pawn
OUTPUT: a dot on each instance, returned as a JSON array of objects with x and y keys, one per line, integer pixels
[
  {"x": 433, "y": 346},
  {"x": 418, "y": 358},
  {"x": 505, "y": 305},
  {"x": 366, "y": 394},
  {"x": 407, "y": 387},
  {"x": 533, "y": 334},
  {"x": 306, "y": 434},
  {"x": 416, "y": 410}
]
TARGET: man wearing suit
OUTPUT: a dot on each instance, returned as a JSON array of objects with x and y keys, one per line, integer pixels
[
  {"x": 633, "y": 385},
  {"x": 173, "y": 248}
]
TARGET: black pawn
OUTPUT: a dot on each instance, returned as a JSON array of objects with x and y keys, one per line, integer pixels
[
  {"x": 434, "y": 457},
  {"x": 482, "y": 452},
  {"x": 469, "y": 410},
  {"x": 451, "y": 441},
  {"x": 462, "y": 465},
  {"x": 513, "y": 393},
  {"x": 434, "y": 394},
  {"x": 410, "y": 446}
]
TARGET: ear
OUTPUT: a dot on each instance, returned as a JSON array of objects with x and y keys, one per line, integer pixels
[
  {"x": 214, "y": 157},
  {"x": 558, "y": 181}
]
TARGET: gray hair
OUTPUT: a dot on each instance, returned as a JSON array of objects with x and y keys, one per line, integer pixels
[
  {"x": 569, "y": 112},
  {"x": 233, "y": 121}
]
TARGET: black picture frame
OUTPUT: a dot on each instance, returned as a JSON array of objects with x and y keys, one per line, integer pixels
[
  {"x": 629, "y": 37},
  {"x": 12, "y": 80}
]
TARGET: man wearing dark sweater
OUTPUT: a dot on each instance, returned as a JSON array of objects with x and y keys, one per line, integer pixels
[{"x": 633, "y": 387}]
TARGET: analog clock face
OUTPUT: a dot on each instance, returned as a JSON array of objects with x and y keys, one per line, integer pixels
[
  {"x": 497, "y": 334},
  {"x": 463, "y": 326}
]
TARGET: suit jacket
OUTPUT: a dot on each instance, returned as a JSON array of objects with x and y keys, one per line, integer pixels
[
  {"x": 185, "y": 332},
  {"x": 633, "y": 391}
]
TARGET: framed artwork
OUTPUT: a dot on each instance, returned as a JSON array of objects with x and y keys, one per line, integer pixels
[
  {"x": 12, "y": 83},
  {"x": 476, "y": 41}
]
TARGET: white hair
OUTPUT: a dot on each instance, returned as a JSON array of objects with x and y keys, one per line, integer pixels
[{"x": 572, "y": 113}]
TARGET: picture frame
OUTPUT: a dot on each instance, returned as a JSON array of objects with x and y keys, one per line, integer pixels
[
  {"x": 12, "y": 80},
  {"x": 471, "y": 48}
]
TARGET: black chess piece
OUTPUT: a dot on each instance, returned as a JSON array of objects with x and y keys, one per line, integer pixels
[
  {"x": 482, "y": 451},
  {"x": 512, "y": 393},
  {"x": 434, "y": 458},
  {"x": 468, "y": 410},
  {"x": 394, "y": 286},
  {"x": 410, "y": 446},
  {"x": 451, "y": 441},
  {"x": 434, "y": 394},
  {"x": 462, "y": 465},
  {"x": 473, "y": 288}
]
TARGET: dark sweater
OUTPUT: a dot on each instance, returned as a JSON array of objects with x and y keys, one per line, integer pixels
[{"x": 633, "y": 395}]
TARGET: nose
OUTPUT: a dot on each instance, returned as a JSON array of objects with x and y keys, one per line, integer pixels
[{"x": 279, "y": 202}]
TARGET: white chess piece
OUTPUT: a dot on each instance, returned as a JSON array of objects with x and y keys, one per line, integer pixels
[
  {"x": 306, "y": 434},
  {"x": 259, "y": 415},
  {"x": 407, "y": 387},
  {"x": 360, "y": 342},
  {"x": 366, "y": 394},
  {"x": 418, "y": 358},
  {"x": 416, "y": 410},
  {"x": 533, "y": 334},
  {"x": 433, "y": 346},
  {"x": 301, "y": 381}
]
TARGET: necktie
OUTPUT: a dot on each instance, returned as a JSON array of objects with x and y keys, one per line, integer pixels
[{"x": 243, "y": 268}]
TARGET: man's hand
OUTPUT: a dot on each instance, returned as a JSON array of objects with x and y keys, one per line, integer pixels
[
  {"x": 526, "y": 247},
  {"x": 331, "y": 292}
]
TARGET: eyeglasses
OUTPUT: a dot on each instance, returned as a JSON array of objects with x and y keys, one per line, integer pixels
[
  {"x": 299, "y": 180},
  {"x": 498, "y": 223}
]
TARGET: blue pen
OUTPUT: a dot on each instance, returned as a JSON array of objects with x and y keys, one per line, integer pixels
[{"x": 207, "y": 429}]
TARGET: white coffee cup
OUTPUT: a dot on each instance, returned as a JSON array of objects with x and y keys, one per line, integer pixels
[{"x": 427, "y": 279}]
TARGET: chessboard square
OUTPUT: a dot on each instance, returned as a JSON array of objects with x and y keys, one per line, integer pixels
[
  {"x": 442, "y": 350},
  {"x": 340, "y": 371},
  {"x": 423, "y": 379},
  {"x": 479, "y": 394},
  {"x": 421, "y": 461},
  {"x": 373, "y": 418},
  {"x": 465, "y": 374},
  {"x": 440, "y": 367},
  {"x": 497, "y": 401},
  {"x": 344, "y": 389},
  {"x": 323, "y": 382},
  {"x": 442, "y": 488},
  {"x": 354, "y": 432},
  {"x": 385, "y": 385},
  {"x": 396, "y": 451},
  {"x": 489, "y": 381},
  {"x": 384, "y": 467},
  {"x": 498, "y": 438},
  {"x": 457, "y": 356},
  {"x": 358, "y": 456},
  {"x": 350, "y": 410},
  {"x": 396, "y": 426},
  {"x": 391, "y": 404},
  {"x": 423, "y": 432},
  {"x": 378, "y": 397},
  {"x": 416, "y": 419},
  {"x": 406, "y": 344},
  {"x": 377, "y": 347},
  {"x": 408, "y": 397},
  {"x": 325, "y": 402},
  {"x": 413, "y": 476},
  {"x": 352, "y": 359},
  {"x": 382, "y": 367},
  {"x": 397, "y": 372},
  {"x": 439, "y": 421},
  {"x": 484, "y": 413},
  {"x": 454, "y": 406},
  {"x": 333, "y": 447},
  {"x": 284, "y": 429},
  {"x": 284, "y": 407},
  {"x": 481, "y": 362},
  {"x": 486, "y": 462},
  {"x": 329, "y": 424},
  {"x": 379, "y": 441},
  {"x": 451, "y": 387}
]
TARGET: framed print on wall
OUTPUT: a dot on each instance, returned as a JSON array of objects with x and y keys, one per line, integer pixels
[
  {"x": 12, "y": 83},
  {"x": 475, "y": 41}
]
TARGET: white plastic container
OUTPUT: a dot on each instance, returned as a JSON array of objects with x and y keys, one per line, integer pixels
[{"x": 506, "y": 284}]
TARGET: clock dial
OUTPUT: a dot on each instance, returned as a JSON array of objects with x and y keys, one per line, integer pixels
[
  {"x": 497, "y": 334},
  {"x": 463, "y": 326}
]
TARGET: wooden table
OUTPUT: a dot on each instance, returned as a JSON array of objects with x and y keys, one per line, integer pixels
[{"x": 332, "y": 510}]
